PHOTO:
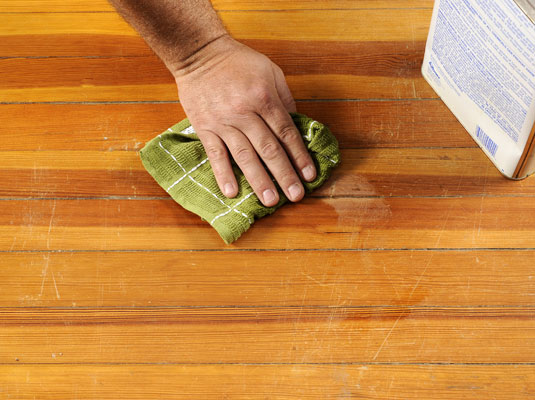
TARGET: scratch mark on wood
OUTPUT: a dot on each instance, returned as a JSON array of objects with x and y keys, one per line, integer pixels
[
  {"x": 316, "y": 281},
  {"x": 13, "y": 243},
  {"x": 443, "y": 226},
  {"x": 50, "y": 225},
  {"x": 480, "y": 215},
  {"x": 390, "y": 281},
  {"x": 386, "y": 338},
  {"x": 417, "y": 283},
  {"x": 55, "y": 286},
  {"x": 333, "y": 189},
  {"x": 44, "y": 273},
  {"x": 390, "y": 387}
]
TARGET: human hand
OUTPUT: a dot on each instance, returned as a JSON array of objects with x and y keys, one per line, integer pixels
[{"x": 238, "y": 99}]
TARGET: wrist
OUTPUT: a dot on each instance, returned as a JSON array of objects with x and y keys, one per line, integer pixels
[{"x": 205, "y": 56}]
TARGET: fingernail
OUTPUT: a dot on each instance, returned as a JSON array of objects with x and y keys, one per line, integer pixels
[
  {"x": 229, "y": 189},
  {"x": 295, "y": 191},
  {"x": 308, "y": 173},
  {"x": 269, "y": 196}
]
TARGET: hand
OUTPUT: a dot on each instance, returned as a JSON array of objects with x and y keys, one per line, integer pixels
[{"x": 237, "y": 99}]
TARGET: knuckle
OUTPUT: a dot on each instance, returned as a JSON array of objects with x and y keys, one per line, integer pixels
[
  {"x": 215, "y": 153},
  {"x": 302, "y": 158},
  {"x": 218, "y": 170},
  {"x": 240, "y": 107},
  {"x": 288, "y": 134},
  {"x": 269, "y": 150},
  {"x": 263, "y": 95},
  {"x": 288, "y": 176},
  {"x": 243, "y": 155}
]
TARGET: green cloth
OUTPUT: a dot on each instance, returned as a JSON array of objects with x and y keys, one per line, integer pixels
[{"x": 177, "y": 161}]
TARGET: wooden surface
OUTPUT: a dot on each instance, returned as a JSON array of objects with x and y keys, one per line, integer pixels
[{"x": 409, "y": 275}]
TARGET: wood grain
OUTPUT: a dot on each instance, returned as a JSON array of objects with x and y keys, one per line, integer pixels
[
  {"x": 408, "y": 275},
  {"x": 343, "y": 223},
  {"x": 268, "y": 278},
  {"x": 147, "y": 79},
  {"x": 411, "y": 24},
  {"x": 381, "y": 59},
  {"x": 393, "y": 124},
  {"x": 381, "y": 172},
  {"x": 216, "y": 381},
  {"x": 270, "y": 335}
]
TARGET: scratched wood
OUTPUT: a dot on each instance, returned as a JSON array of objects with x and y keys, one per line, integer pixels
[
  {"x": 409, "y": 275},
  {"x": 369, "y": 68},
  {"x": 393, "y": 124},
  {"x": 64, "y": 32},
  {"x": 411, "y": 24},
  {"x": 268, "y": 334},
  {"x": 380, "y": 172},
  {"x": 400, "y": 59},
  {"x": 269, "y": 381},
  {"x": 341, "y": 223},
  {"x": 272, "y": 278},
  {"x": 146, "y": 79}
]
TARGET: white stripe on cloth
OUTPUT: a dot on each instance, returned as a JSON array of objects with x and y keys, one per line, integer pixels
[
  {"x": 205, "y": 188},
  {"x": 188, "y": 131},
  {"x": 308, "y": 136},
  {"x": 245, "y": 215},
  {"x": 231, "y": 209},
  {"x": 328, "y": 158},
  {"x": 172, "y": 156},
  {"x": 187, "y": 173}
]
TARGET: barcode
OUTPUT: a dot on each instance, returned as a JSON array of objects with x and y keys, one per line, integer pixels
[{"x": 489, "y": 144}]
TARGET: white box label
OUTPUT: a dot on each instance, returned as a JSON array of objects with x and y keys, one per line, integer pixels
[{"x": 480, "y": 59}]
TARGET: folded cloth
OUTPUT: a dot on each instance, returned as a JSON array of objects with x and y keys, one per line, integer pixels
[{"x": 177, "y": 161}]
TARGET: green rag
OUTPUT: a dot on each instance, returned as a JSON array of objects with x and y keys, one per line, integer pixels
[{"x": 177, "y": 161}]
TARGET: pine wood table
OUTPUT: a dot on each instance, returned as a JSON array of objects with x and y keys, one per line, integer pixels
[{"x": 409, "y": 275}]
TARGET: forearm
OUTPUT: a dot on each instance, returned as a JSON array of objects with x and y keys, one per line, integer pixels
[
  {"x": 236, "y": 99},
  {"x": 177, "y": 30}
]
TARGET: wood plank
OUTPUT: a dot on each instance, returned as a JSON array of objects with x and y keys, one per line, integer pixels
[
  {"x": 364, "y": 172},
  {"x": 342, "y": 223},
  {"x": 147, "y": 79},
  {"x": 377, "y": 58},
  {"x": 268, "y": 381},
  {"x": 411, "y": 123},
  {"x": 366, "y": 24},
  {"x": 270, "y": 335},
  {"x": 373, "y": 59},
  {"x": 274, "y": 278},
  {"x": 103, "y": 5}
]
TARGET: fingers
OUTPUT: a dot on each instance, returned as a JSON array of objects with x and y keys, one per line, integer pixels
[
  {"x": 247, "y": 159},
  {"x": 220, "y": 163},
  {"x": 281, "y": 124},
  {"x": 271, "y": 152},
  {"x": 258, "y": 130}
]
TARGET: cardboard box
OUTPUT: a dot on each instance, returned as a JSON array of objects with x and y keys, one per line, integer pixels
[{"x": 480, "y": 59}]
